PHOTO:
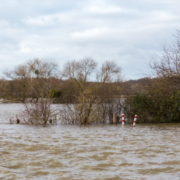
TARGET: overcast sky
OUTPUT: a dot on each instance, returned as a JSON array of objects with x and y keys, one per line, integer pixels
[{"x": 129, "y": 32}]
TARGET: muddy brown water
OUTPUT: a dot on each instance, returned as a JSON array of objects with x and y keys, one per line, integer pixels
[{"x": 87, "y": 152}]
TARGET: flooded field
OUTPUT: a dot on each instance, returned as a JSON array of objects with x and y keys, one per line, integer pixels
[{"x": 87, "y": 152}]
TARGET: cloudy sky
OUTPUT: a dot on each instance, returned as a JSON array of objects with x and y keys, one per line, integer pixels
[{"x": 129, "y": 32}]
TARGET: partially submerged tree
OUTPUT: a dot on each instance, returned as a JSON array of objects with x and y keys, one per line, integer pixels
[
  {"x": 40, "y": 111},
  {"x": 89, "y": 95},
  {"x": 35, "y": 82},
  {"x": 165, "y": 89}
]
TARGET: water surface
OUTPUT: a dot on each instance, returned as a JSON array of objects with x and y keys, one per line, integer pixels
[{"x": 87, "y": 152}]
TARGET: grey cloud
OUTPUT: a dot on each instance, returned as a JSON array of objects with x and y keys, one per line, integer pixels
[{"x": 129, "y": 32}]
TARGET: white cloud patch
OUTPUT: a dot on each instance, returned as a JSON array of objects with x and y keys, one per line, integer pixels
[
  {"x": 162, "y": 16},
  {"x": 24, "y": 48},
  {"x": 108, "y": 9},
  {"x": 90, "y": 33},
  {"x": 46, "y": 20},
  {"x": 4, "y": 24}
]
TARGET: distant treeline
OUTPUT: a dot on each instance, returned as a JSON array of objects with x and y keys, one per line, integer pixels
[{"x": 64, "y": 91}]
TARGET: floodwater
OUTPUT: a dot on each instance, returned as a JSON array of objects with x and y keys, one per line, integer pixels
[{"x": 105, "y": 152}]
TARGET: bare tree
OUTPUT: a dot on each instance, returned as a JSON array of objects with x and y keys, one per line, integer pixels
[
  {"x": 167, "y": 70},
  {"x": 35, "y": 80},
  {"x": 89, "y": 107},
  {"x": 42, "y": 73},
  {"x": 40, "y": 111},
  {"x": 29, "y": 79},
  {"x": 21, "y": 76}
]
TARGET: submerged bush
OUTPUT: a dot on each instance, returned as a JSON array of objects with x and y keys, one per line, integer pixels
[
  {"x": 152, "y": 110},
  {"x": 39, "y": 112}
]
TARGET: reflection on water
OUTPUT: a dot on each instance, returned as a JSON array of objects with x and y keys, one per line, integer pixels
[{"x": 89, "y": 152}]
